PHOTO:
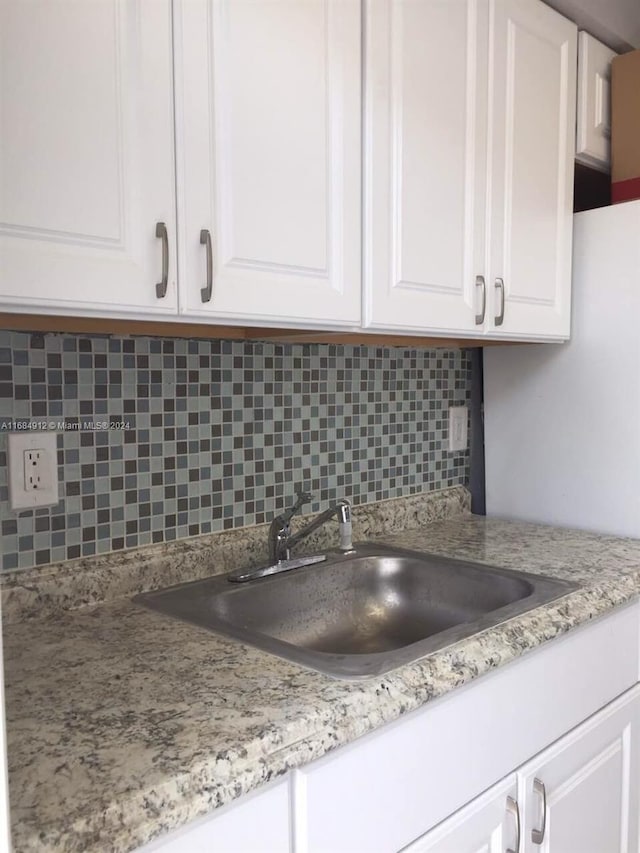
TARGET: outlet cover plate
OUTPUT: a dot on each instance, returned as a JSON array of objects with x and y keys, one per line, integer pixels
[
  {"x": 20, "y": 443},
  {"x": 458, "y": 428}
]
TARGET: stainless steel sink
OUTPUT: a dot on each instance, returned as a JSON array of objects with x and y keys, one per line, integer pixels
[{"x": 359, "y": 614}]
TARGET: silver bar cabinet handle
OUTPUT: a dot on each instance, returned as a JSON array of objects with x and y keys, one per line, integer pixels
[
  {"x": 480, "y": 283},
  {"x": 161, "y": 234},
  {"x": 499, "y": 283},
  {"x": 537, "y": 835},
  {"x": 514, "y": 809},
  {"x": 205, "y": 240}
]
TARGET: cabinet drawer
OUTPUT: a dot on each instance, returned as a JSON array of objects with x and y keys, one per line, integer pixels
[{"x": 419, "y": 770}]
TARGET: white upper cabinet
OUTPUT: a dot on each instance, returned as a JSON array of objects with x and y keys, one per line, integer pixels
[
  {"x": 425, "y": 163},
  {"x": 469, "y": 146},
  {"x": 593, "y": 140},
  {"x": 268, "y": 101},
  {"x": 532, "y": 107},
  {"x": 86, "y": 157},
  {"x": 257, "y": 216}
]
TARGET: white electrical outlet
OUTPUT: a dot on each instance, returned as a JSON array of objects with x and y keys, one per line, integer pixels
[
  {"x": 33, "y": 469},
  {"x": 457, "y": 428}
]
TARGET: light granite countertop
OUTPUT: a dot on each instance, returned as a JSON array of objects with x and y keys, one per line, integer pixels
[{"x": 124, "y": 724}]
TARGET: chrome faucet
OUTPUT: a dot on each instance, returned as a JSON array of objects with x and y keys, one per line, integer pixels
[{"x": 281, "y": 540}]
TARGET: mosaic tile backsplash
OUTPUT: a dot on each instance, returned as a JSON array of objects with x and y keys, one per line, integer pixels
[{"x": 164, "y": 439}]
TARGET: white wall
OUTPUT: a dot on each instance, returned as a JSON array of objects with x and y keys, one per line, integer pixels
[
  {"x": 615, "y": 22},
  {"x": 562, "y": 444}
]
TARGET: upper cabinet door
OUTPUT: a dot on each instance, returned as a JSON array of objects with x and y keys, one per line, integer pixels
[
  {"x": 532, "y": 52},
  {"x": 268, "y": 100},
  {"x": 425, "y": 164},
  {"x": 86, "y": 156},
  {"x": 593, "y": 137}
]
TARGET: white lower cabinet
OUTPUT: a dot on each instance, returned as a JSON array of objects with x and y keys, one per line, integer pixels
[
  {"x": 538, "y": 756},
  {"x": 581, "y": 794},
  {"x": 489, "y": 824},
  {"x": 578, "y": 796},
  {"x": 257, "y": 823}
]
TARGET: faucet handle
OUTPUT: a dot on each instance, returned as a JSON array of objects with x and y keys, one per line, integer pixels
[{"x": 301, "y": 499}]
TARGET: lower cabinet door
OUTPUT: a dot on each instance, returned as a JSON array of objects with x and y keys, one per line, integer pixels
[
  {"x": 581, "y": 794},
  {"x": 488, "y": 824}
]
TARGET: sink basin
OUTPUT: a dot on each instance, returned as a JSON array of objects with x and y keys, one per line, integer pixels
[{"x": 359, "y": 614}]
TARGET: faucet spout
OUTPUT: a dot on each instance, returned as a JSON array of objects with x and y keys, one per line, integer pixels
[{"x": 341, "y": 511}]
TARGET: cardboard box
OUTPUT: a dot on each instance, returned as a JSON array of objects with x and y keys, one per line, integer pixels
[{"x": 625, "y": 127}]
